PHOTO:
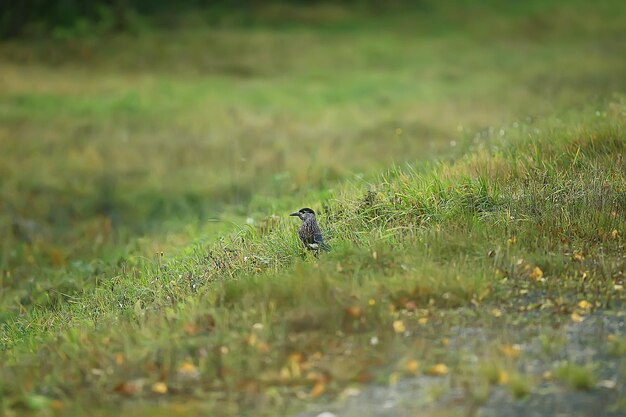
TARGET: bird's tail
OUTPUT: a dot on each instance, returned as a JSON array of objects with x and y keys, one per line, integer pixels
[{"x": 325, "y": 247}]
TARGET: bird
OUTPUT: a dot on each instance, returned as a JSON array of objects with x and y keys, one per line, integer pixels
[{"x": 310, "y": 232}]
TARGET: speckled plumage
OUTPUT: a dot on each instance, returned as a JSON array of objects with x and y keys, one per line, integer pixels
[{"x": 310, "y": 232}]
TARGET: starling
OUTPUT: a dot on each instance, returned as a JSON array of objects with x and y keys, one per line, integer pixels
[{"x": 310, "y": 232}]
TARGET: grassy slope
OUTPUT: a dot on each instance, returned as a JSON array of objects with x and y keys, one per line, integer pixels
[{"x": 427, "y": 249}]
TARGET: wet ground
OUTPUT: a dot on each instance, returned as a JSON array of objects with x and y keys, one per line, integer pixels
[{"x": 586, "y": 343}]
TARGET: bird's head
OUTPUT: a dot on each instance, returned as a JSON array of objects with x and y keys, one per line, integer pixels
[{"x": 304, "y": 213}]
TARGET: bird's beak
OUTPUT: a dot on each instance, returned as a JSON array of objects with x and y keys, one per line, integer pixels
[{"x": 295, "y": 214}]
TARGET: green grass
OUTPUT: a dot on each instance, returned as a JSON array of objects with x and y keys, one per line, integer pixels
[
  {"x": 461, "y": 184},
  {"x": 579, "y": 377}
]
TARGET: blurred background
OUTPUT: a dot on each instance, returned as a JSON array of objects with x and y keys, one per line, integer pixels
[{"x": 129, "y": 127}]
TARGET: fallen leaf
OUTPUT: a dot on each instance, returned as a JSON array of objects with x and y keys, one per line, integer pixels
[
  {"x": 412, "y": 366},
  {"x": 584, "y": 304},
  {"x": 503, "y": 377},
  {"x": 354, "y": 312},
  {"x": 189, "y": 370},
  {"x": 422, "y": 320},
  {"x": 295, "y": 368},
  {"x": 191, "y": 329},
  {"x": 439, "y": 369},
  {"x": 410, "y": 305},
  {"x": 318, "y": 389},
  {"x": 285, "y": 375},
  {"x": 496, "y": 312},
  {"x": 263, "y": 347},
  {"x": 511, "y": 351},
  {"x": 576, "y": 318},
  {"x": 119, "y": 359},
  {"x": 398, "y": 326},
  {"x": 296, "y": 357},
  {"x": 577, "y": 257},
  {"x": 159, "y": 388},
  {"x": 537, "y": 274}
]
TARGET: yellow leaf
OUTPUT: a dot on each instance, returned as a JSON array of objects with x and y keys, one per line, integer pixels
[
  {"x": 511, "y": 241},
  {"x": 511, "y": 351},
  {"x": 285, "y": 374},
  {"x": 189, "y": 370},
  {"x": 496, "y": 312},
  {"x": 577, "y": 257},
  {"x": 263, "y": 347},
  {"x": 611, "y": 337},
  {"x": 191, "y": 329},
  {"x": 398, "y": 326},
  {"x": 371, "y": 302},
  {"x": 614, "y": 234},
  {"x": 537, "y": 274},
  {"x": 584, "y": 304},
  {"x": 422, "y": 320},
  {"x": 296, "y": 357},
  {"x": 503, "y": 377},
  {"x": 119, "y": 359},
  {"x": 318, "y": 389},
  {"x": 295, "y": 369},
  {"x": 412, "y": 366},
  {"x": 439, "y": 369},
  {"x": 159, "y": 388},
  {"x": 354, "y": 312},
  {"x": 576, "y": 318}
]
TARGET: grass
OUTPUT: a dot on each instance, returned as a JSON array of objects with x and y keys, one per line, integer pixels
[
  {"x": 119, "y": 296},
  {"x": 579, "y": 377}
]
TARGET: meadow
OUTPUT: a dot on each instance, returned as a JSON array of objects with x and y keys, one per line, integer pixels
[{"x": 467, "y": 165}]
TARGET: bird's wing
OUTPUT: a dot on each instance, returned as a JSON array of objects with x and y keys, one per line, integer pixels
[{"x": 319, "y": 239}]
